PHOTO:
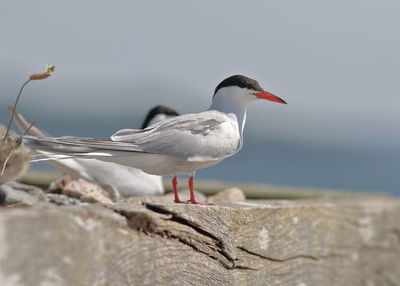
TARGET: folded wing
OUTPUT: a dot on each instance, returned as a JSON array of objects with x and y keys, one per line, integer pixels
[{"x": 209, "y": 135}]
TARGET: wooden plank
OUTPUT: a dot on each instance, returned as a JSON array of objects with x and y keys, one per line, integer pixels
[{"x": 265, "y": 242}]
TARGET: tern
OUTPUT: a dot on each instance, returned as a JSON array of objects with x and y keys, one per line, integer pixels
[
  {"x": 127, "y": 180},
  {"x": 179, "y": 145}
]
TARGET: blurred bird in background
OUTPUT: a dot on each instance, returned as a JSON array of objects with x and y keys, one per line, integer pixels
[{"x": 128, "y": 181}]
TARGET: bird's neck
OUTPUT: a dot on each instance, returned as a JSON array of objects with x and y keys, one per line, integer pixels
[{"x": 228, "y": 106}]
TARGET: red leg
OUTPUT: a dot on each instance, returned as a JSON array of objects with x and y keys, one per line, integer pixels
[
  {"x": 174, "y": 184},
  {"x": 192, "y": 199}
]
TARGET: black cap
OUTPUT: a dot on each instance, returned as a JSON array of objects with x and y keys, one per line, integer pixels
[
  {"x": 159, "y": 109},
  {"x": 240, "y": 81}
]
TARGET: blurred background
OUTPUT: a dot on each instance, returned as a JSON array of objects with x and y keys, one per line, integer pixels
[{"x": 336, "y": 63}]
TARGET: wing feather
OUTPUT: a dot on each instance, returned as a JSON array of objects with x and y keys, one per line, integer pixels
[
  {"x": 209, "y": 135},
  {"x": 71, "y": 144},
  {"x": 203, "y": 136}
]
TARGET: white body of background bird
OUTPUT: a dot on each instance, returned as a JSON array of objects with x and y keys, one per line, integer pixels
[{"x": 127, "y": 180}]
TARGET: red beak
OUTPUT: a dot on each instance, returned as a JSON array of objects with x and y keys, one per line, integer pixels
[{"x": 269, "y": 96}]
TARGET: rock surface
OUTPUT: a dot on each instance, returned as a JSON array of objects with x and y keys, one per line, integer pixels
[
  {"x": 62, "y": 200},
  {"x": 16, "y": 193},
  {"x": 228, "y": 195},
  {"x": 86, "y": 192}
]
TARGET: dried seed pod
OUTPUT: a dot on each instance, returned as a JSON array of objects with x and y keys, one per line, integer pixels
[
  {"x": 48, "y": 71},
  {"x": 38, "y": 76}
]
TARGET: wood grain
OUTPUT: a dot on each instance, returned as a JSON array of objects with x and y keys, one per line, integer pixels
[{"x": 254, "y": 242}]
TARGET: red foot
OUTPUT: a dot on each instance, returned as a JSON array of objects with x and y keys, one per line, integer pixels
[
  {"x": 179, "y": 202},
  {"x": 194, "y": 202},
  {"x": 192, "y": 199}
]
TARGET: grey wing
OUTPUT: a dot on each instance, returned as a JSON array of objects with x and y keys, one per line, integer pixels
[
  {"x": 71, "y": 144},
  {"x": 209, "y": 135},
  {"x": 67, "y": 144}
]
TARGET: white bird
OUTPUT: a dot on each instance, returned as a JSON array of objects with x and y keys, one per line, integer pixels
[
  {"x": 127, "y": 180},
  {"x": 179, "y": 145}
]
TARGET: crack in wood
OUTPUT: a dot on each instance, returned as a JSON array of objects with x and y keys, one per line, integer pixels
[
  {"x": 180, "y": 220},
  {"x": 304, "y": 256},
  {"x": 218, "y": 243},
  {"x": 201, "y": 240},
  {"x": 217, "y": 246},
  {"x": 208, "y": 233},
  {"x": 241, "y": 267}
]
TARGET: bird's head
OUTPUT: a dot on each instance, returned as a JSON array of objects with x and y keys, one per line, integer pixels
[
  {"x": 157, "y": 114},
  {"x": 242, "y": 90}
]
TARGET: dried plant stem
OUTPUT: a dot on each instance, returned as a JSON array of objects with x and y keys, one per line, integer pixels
[
  {"x": 6, "y": 161},
  {"x": 15, "y": 106},
  {"x": 48, "y": 71},
  {"x": 13, "y": 147}
]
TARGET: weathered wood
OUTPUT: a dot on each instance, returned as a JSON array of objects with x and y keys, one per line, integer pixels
[{"x": 306, "y": 242}]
